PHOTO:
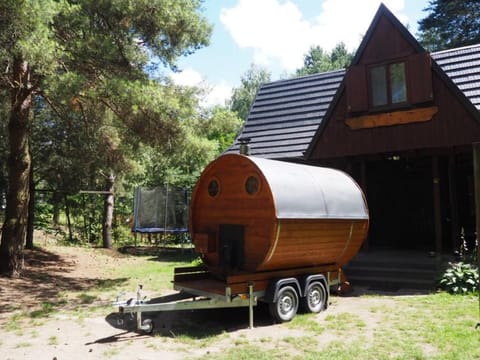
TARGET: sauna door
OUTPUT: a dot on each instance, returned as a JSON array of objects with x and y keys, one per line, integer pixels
[{"x": 231, "y": 238}]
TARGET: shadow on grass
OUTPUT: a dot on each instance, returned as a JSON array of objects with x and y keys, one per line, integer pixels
[
  {"x": 394, "y": 291},
  {"x": 160, "y": 253},
  {"x": 193, "y": 324},
  {"x": 117, "y": 338},
  {"x": 44, "y": 277}
]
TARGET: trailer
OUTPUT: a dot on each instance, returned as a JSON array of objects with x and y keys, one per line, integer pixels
[{"x": 267, "y": 231}]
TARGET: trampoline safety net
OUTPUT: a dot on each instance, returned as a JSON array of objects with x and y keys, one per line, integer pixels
[{"x": 160, "y": 210}]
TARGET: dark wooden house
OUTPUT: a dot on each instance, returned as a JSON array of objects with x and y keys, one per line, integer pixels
[{"x": 400, "y": 120}]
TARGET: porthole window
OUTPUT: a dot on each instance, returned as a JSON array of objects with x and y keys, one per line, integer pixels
[
  {"x": 252, "y": 185},
  {"x": 213, "y": 188}
]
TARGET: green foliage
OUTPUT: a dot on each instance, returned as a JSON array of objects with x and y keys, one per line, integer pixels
[
  {"x": 220, "y": 125},
  {"x": 25, "y": 32},
  {"x": 94, "y": 104},
  {"x": 243, "y": 96},
  {"x": 203, "y": 137},
  {"x": 43, "y": 214},
  {"x": 460, "y": 278},
  {"x": 450, "y": 24},
  {"x": 46, "y": 309},
  {"x": 87, "y": 298},
  {"x": 318, "y": 61}
]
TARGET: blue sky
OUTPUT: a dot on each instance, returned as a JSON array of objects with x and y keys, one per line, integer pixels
[{"x": 275, "y": 34}]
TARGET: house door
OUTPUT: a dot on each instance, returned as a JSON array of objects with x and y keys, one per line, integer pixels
[{"x": 399, "y": 194}]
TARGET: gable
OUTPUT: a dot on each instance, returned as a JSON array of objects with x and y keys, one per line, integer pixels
[
  {"x": 452, "y": 125},
  {"x": 390, "y": 71},
  {"x": 386, "y": 43},
  {"x": 369, "y": 117}
]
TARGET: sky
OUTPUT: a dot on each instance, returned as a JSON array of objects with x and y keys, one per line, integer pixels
[{"x": 276, "y": 34}]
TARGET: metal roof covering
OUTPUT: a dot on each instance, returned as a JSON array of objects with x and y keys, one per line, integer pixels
[
  {"x": 286, "y": 114},
  {"x": 311, "y": 192},
  {"x": 462, "y": 66}
]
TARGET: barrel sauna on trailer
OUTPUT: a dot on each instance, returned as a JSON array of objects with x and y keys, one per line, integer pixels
[
  {"x": 251, "y": 214},
  {"x": 268, "y": 231}
]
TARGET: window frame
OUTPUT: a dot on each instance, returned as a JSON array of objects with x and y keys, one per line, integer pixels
[
  {"x": 218, "y": 189},
  {"x": 388, "y": 85},
  {"x": 258, "y": 184}
]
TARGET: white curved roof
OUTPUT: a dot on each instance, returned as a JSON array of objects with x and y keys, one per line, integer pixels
[{"x": 311, "y": 192}]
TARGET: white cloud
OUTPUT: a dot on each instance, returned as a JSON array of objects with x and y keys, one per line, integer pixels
[
  {"x": 213, "y": 94},
  {"x": 187, "y": 77},
  {"x": 348, "y": 20},
  {"x": 271, "y": 29},
  {"x": 217, "y": 94},
  {"x": 277, "y": 31}
]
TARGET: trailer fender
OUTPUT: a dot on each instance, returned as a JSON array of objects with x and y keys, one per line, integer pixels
[{"x": 271, "y": 295}]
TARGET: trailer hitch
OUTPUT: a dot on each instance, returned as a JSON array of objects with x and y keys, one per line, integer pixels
[{"x": 145, "y": 325}]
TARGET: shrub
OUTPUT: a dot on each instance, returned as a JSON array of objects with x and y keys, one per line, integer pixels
[{"x": 460, "y": 278}]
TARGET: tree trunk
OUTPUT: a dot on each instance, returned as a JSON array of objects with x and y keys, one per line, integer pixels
[
  {"x": 69, "y": 223},
  {"x": 108, "y": 212},
  {"x": 31, "y": 211},
  {"x": 56, "y": 200},
  {"x": 19, "y": 162}
]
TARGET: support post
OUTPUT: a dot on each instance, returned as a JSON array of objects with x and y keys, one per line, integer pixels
[
  {"x": 363, "y": 185},
  {"x": 165, "y": 214},
  {"x": 437, "y": 211},
  {"x": 452, "y": 191},
  {"x": 476, "y": 180},
  {"x": 250, "y": 305}
]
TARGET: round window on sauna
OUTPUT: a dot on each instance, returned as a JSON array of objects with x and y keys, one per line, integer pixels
[
  {"x": 213, "y": 188},
  {"x": 252, "y": 185}
]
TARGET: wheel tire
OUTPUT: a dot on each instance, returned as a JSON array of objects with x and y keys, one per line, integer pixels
[
  {"x": 147, "y": 326},
  {"x": 286, "y": 306},
  {"x": 315, "y": 298}
]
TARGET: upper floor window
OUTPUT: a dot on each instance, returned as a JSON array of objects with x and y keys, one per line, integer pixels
[{"x": 388, "y": 84}]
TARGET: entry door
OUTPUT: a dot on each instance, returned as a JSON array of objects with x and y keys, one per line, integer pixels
[
  {"x": 231, "y": 238},
  {"x": 400, "y": 200}
]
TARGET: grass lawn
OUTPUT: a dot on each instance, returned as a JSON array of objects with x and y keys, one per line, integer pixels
[{"x": 365, "y": 325}]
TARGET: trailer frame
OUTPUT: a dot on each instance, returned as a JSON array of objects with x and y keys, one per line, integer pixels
[{"x": 198, "y": 289}]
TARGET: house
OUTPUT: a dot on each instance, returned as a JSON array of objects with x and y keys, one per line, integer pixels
[{"x": 400, "y": 120}]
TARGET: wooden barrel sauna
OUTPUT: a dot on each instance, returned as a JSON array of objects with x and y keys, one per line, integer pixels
[{"x": 251, "y": 214}]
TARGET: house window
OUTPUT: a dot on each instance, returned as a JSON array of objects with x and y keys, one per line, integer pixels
[
  {"x": 379, "y": 85},
  {"x": 388, "y": 85}
]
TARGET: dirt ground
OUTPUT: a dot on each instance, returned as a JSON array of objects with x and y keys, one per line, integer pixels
[{"x": 98, "y": 334}]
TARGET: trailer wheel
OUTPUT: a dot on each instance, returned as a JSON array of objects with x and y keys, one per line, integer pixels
[
  {"x": 147, "y": 326},
  {"x": 286, "y": 306},
  {"x": 315, "y": 297}
]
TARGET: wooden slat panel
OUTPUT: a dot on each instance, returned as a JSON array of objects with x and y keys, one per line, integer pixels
[
  {"x": 356, "y": 88},
  {"x": 303, "y": 242},
  {"x": 392, "y": 118},
  {"x": 419, "y": 78}
]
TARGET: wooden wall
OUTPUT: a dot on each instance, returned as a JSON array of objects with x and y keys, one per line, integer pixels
[{"x": 452, "y": 125}]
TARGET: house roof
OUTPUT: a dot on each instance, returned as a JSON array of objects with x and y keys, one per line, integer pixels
[
  {"x": 286, "y": 114},
  {"x": 462, "y": 66}
]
